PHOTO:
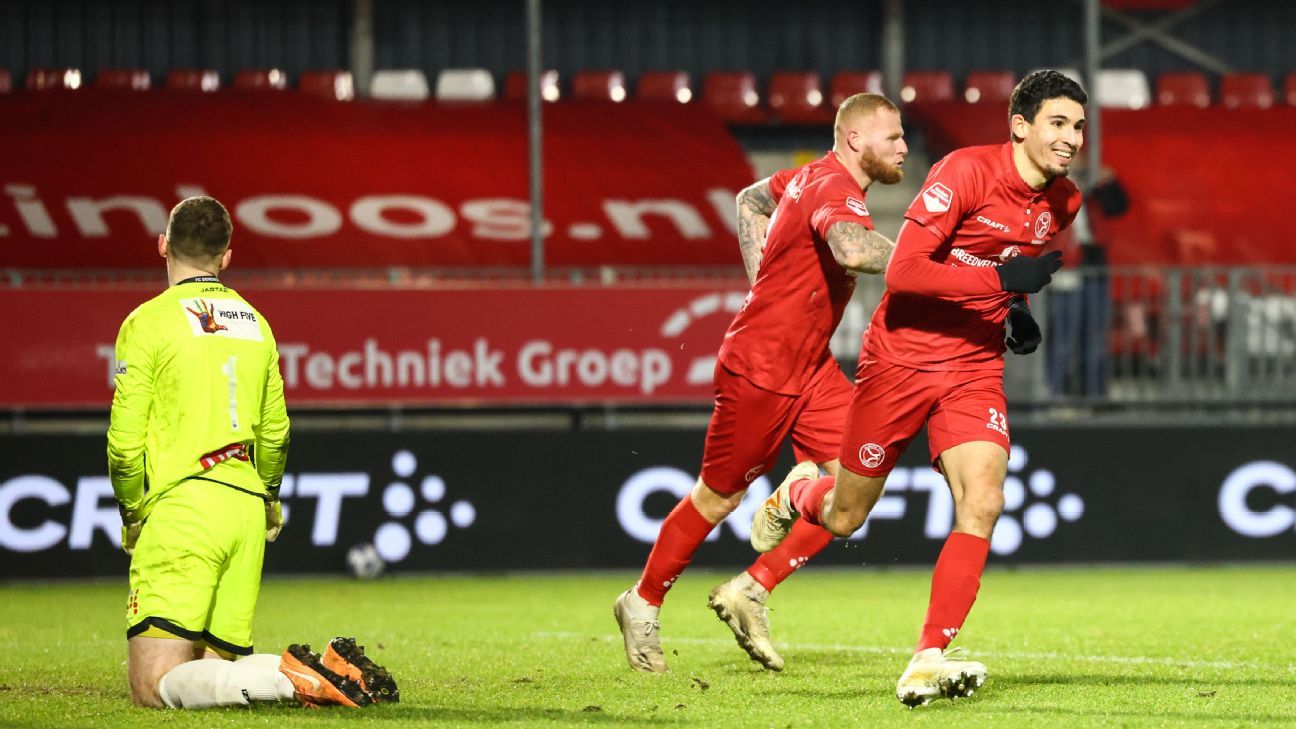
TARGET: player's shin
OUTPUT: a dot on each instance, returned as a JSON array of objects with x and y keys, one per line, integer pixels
[
  {"x": 955, "y": 582},
  {"x": 808, "y": 496},
  {"x": 206, "y": 683},
  {"x": 681, "y": 533},
  {"x": 803, "y": 542}
]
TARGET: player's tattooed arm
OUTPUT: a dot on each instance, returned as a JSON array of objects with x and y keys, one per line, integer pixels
[
  {"x": 858, "y": 249},
  {"x": 755, "y": 206}
]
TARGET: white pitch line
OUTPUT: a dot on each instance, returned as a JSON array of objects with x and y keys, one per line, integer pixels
[{"x": 1012, "y": 655}]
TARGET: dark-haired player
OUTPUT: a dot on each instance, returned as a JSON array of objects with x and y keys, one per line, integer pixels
[{"x": 933, "y": 355}]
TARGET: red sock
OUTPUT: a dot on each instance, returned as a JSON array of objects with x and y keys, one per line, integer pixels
[
  {"x": 808, "y": 495},
  {"x": 680, "y": 535},
  {"x": 803, "y": 542},
  {"x": 955, "y": 582}
]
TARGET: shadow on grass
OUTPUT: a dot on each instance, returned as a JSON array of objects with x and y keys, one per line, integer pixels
[
  {"x": 457, "y": 716},
  {"x": 1070, "y": 679},
  {"x": 1190, "y": 718}
]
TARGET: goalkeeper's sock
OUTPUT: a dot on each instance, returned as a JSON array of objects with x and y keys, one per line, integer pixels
[
  {"x": 803, "y": 542},
  {"x": 807, "y": 496},
  {"x": 955, "y": 582},
  {"x": 203, "y": 684},
  {"x": 680, "y": 535}
]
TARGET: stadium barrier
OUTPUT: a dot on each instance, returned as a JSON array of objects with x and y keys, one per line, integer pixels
[
  {"x": 529, "y": 499},
  {"x": 1122, "y": 337}
]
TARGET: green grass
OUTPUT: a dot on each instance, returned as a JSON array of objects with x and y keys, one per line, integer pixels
[{"x": 1064, "y": 647}]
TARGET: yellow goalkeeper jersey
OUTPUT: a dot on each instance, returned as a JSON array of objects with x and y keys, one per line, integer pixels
[{"x": 198, "y": 395}]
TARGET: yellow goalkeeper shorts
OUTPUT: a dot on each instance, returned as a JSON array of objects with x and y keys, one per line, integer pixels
[{"x": 196, "y": 570}]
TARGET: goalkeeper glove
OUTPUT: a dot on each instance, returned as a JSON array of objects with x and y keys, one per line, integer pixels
[
  {"x": 1024, "y": 334},
  {"x": 132, "y": 525},
  {"x": 274, "y": 519},
  {"x": 1026, "y": 275}
]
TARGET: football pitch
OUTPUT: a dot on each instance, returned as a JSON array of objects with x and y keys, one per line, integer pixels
[{"x": 1095, "y": 646}]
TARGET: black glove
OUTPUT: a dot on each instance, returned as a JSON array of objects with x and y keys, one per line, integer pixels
[
  {"x": 1024, "y": 334},
  {"x": 1026, "y": 275}
]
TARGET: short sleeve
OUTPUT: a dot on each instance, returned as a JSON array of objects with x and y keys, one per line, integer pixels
[
  {"x": 778, "y": 182},
  {"x": 837, "y": 201}
]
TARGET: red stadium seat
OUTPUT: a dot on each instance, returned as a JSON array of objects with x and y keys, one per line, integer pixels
[
  {"x": 797, "y": 98},
  {"x": 6, "y": 81},
  {"x": 849, "y": 83},
  {"x": 1246, "y": 90},
  {"x": 204, "y": 80},
  {"x": 515, "y": 85},
  {"x": 989, "y": 87},
  {"x": 924, "y": 86},
  {"x": 45, "y": 79},
  {"x": 732, "y": 95},
  {"x": 1189, "y": 88},
  {"x": 599, "y": 86},
  {"x": 664, "y": 86},
  {"x": 124, "y": 79},
  {"x": 331, "y": 85},
  {"x": 1289, "y": 88},
  {"x": 267, "y": 79}
]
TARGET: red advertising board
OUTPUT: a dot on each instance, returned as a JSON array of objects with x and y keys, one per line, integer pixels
[
  {"x": 480, "y": 346},
  {"x": 88, "y": 177}
]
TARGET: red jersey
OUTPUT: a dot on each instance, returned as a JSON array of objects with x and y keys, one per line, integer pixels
[
  {"x": 780, "y": 337},
  {"x": 943, "y": 308}
]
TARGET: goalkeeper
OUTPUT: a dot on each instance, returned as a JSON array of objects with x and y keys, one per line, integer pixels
[{"x": 196, "y": 449}]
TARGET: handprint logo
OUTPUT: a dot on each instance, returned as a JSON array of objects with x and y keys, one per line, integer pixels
[{"x": 206, "y": 316}]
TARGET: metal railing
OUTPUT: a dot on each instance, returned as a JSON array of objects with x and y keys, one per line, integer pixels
[{"x": 1146, "y": 337}]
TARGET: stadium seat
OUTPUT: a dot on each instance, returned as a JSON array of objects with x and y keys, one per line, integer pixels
[
  {"x": 990, "y": 87},
  {"x": 465, "y": 84},
  {"x": 1188, "y": 88},
  {"x": 664, "y": 86},
  {"x": 797, "y": 98},
  {"x": 849, "y": 83},
  {"x": 1123, "y": 88},
  {"x": 399, "y": 84},
  {"x": 262, "y": 79},
  {"x": 515, "y": 85},
  {"x": 1246, "y": 90},
  {"x": 331, "y": 85},
  {"x": 124, "y": 79},
  {"x": 599, "y": 86},
  {"x": 44, "y": 79},
  {"x": 205, "y": 80},
  {"x": 6, "y": 81},
  {"x": 1289, "y": 88},
  {"x": 925, "y": 86},
  {"x": 732, "y": 95}
]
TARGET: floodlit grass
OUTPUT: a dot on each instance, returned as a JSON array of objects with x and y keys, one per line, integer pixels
[{"x": 1064, "y": 647}]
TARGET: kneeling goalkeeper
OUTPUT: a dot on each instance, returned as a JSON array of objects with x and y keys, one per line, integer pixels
[{"x": 196, "y": 449}]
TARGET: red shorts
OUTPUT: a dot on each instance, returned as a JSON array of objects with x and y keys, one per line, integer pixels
[
  {"x": 749, "y": 424},
  {"x": 892, "y": 402}
]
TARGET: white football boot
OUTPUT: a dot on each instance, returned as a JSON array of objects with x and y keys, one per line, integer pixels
[
  {"x": 775, "y": 517},
  {"x": 641, "y": 631},
  {"x": 933, "y": 674},
  {"x": 740, "y": 603}
]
